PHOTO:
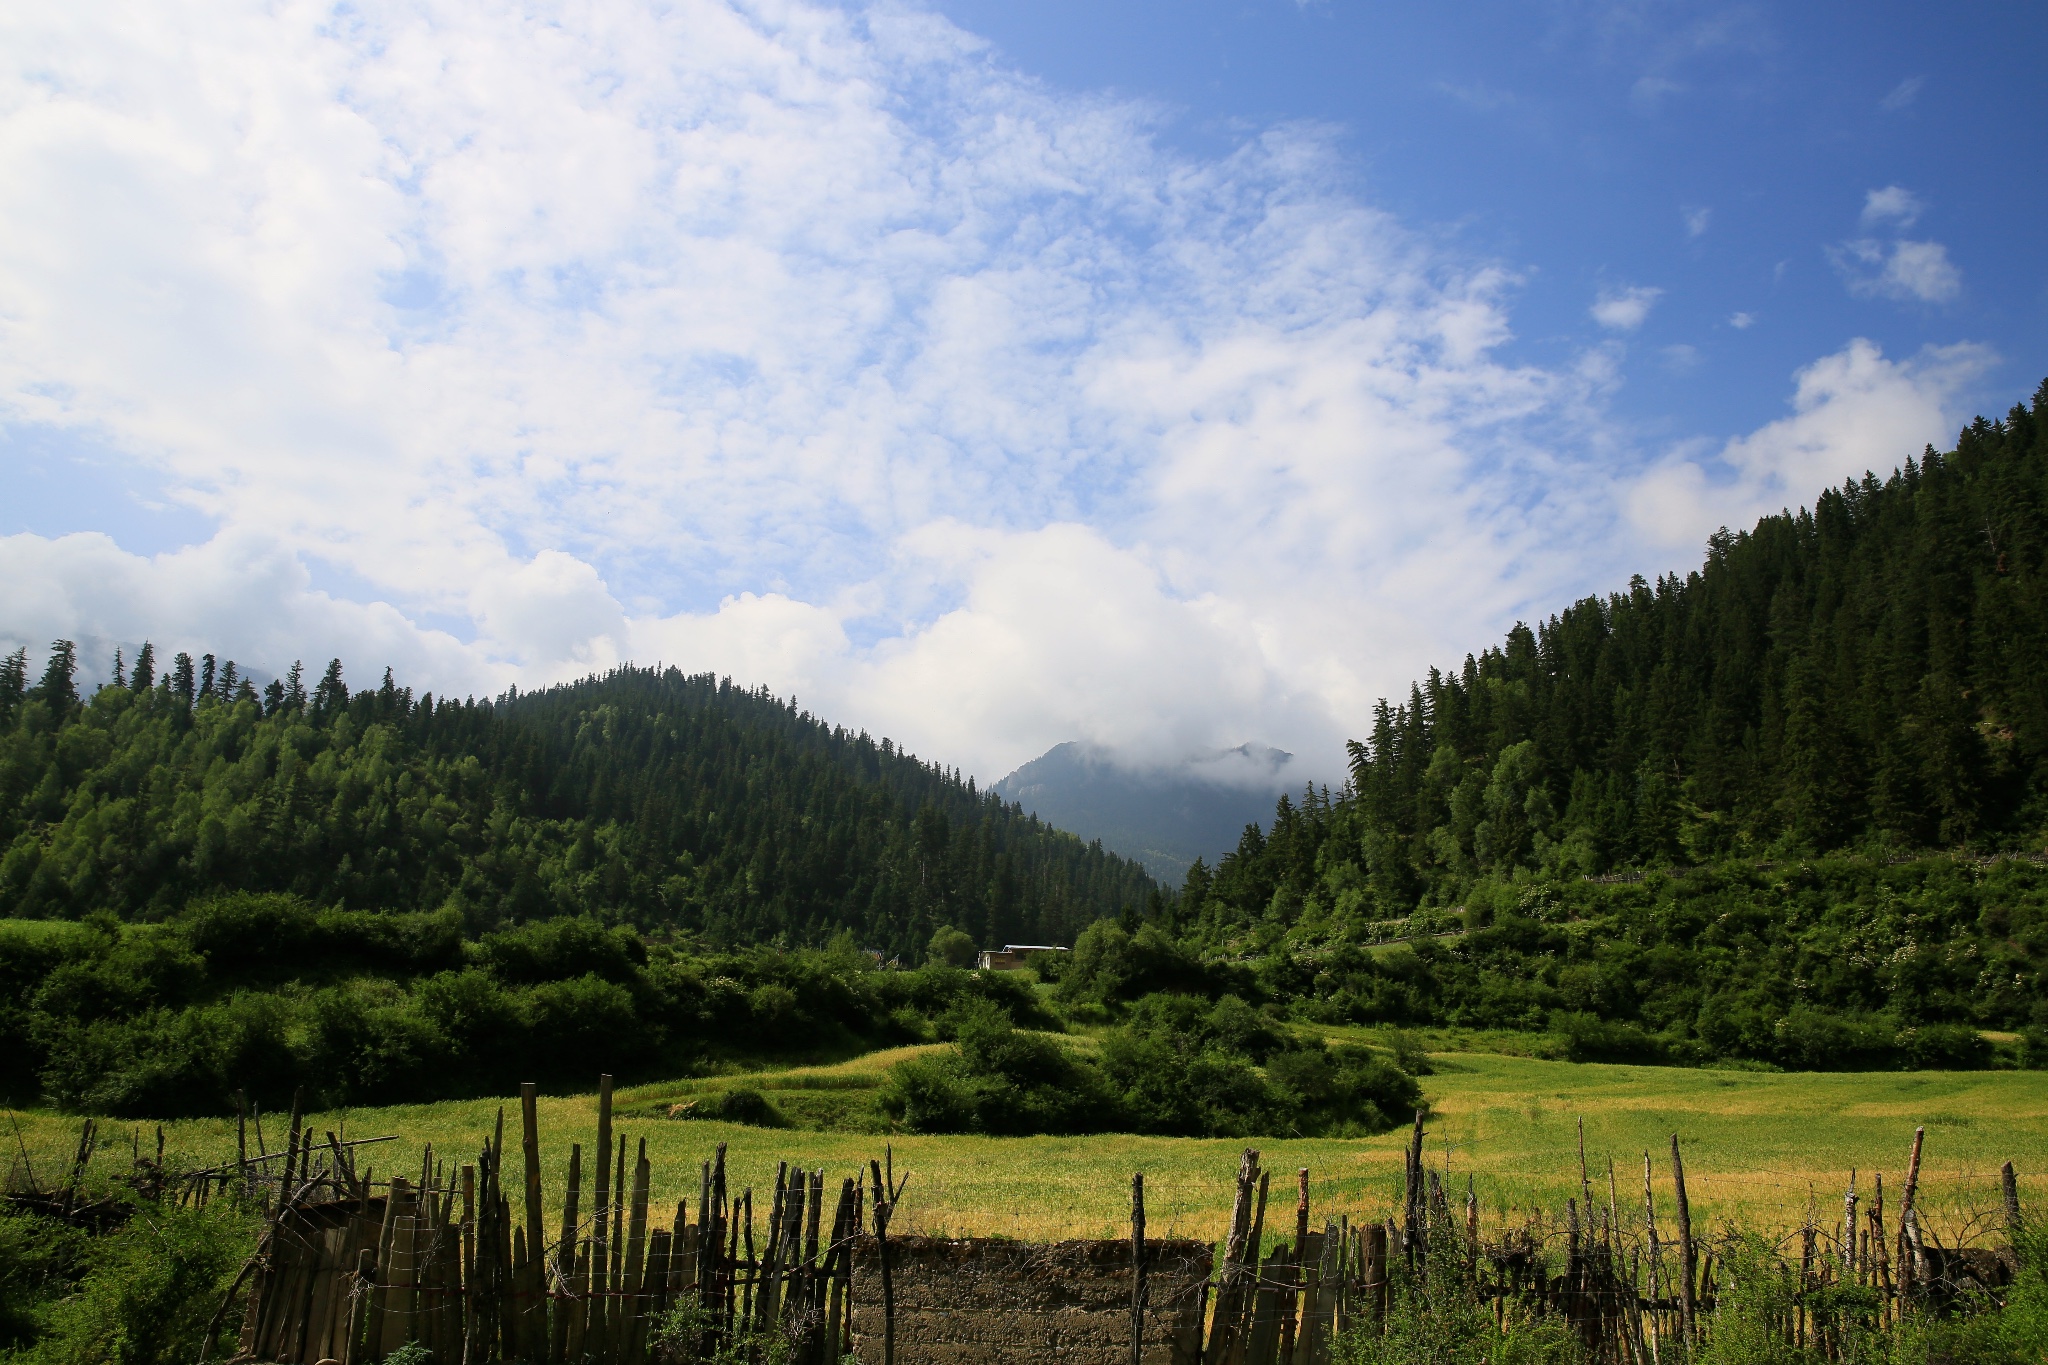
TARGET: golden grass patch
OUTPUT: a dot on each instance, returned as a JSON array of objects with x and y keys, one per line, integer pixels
[{"x": 1758, "y": 1147}]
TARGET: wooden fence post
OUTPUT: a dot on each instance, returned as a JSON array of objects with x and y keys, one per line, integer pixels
[
  {"x": 884, "y": 1205},
  {"x": 2009, "y": 1187},
  {"x": 1138, "y": 1267},
  {"x": 1223, "y": 1324},
  {"x": 1909, "y": 1232},
  {"x": 1687, "y": 1262}
]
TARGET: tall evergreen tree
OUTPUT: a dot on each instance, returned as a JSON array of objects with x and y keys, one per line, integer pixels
[{"x": 59, "y": 687}]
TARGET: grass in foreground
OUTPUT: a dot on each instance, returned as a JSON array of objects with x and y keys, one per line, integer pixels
[{"x": 1758, "y": 1147}]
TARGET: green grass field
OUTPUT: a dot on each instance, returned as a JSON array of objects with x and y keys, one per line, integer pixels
[{"x": 1757, "y": 1146}]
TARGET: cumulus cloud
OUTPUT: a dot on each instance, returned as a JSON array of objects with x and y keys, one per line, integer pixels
[
  {"x": 1624, "y": 310},
  {"x": 1910, "y": 272},
  {"x": 1892, "y": 204},
  {"x": 1742, "y": 322},
  {"x": 1697, "y": 220},
  {"x": 240, "y": 595},
  {"x": 803, "y": 344},
  {"x": 1852, "y": 412}
]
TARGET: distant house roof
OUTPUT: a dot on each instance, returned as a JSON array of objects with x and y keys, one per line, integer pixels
[{"x": 1033, "y": 948}]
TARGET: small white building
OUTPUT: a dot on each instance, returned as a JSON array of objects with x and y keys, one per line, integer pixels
[{"x": 1012, "y": 956}]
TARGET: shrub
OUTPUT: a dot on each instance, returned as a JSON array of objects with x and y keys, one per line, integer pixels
[
  {"x": 1589, "y": 1038},
  {"x": 951, "y": 948},
  {"x": 997, "y": 1079},
  {"x": 153, "y": 1286},
  {"x": 39, "y": 1260}
]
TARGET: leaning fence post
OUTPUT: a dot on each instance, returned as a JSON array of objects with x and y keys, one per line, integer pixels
[
  {"x": 884, "y": 1205},
  {"x": 2009, "y": 1186},
  {"x": 1138, "y": 1266},
  {"x": 1909, "y": 1226},
  {"x": 1222, "y": 1326},
  {"x": 1686, "y": 1253}
]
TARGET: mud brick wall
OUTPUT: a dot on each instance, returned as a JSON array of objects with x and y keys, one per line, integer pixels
[{"x": 983, "y": 1300}]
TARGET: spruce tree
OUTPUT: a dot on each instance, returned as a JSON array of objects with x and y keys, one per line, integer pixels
[{"x": 59, "y": 689}]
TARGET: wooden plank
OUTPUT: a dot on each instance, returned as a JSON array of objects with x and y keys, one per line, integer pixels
[
  {"x": 595, "y": 1340},
  {"x": 634, "y": 1327},
  {"x": 563, "y": 1267},
  {"x": 1262, "y": 1341},
  {"x": 533, "y": 1304},
  {"x": 1223, "y": 1326}
]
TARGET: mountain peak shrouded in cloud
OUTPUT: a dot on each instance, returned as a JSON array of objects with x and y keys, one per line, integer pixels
[
  {"x": 840, "y": 349},
  {"x": 1163, "y": 816}
]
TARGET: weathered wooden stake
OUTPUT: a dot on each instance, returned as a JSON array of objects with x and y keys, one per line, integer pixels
[
  {"x": 1909, "y": 1230},
  {"x": 2009, "y": 1186},
  {"x": 1687, "y": 1264},
  {"x": 1138, "y": 1266}
]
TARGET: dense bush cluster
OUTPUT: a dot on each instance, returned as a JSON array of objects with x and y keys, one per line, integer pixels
[
  {"x": 1836, "y": 964},
  {"x": 1177, "y": 1065},
  {"x": 261, "y": 993}
]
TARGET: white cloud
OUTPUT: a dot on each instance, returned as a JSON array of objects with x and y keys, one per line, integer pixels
[
  {"x": 1741, "y": 322},
  {"x": 1892, "y": 204},
  {"x": 1696, "y": 221},
  {"x": 1902, "y": 94},
  {"x": 1907, "y": 271},
  {"x": 813, "y": 347},
  {"x": 1624, "y": 310},
  {"x": 1852, "y": 412},
  {"x": 1681, "y": 358},
  {"x": 240, "y": 595}
]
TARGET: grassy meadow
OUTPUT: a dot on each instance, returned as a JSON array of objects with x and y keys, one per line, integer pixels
[{"x": 1758, "y": 1146}]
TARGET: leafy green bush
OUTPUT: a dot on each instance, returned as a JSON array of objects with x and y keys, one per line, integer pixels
[
  {"x": 950, "y": 948},
  {"x": 40, "y": 1259},
  {"x": 997, "y": 1079},
  {"x": 1178, "y": 1065},
  {"x": 151, "y": 1289}
]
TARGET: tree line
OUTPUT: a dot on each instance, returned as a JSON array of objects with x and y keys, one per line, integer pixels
[
  {"x": 641, "y": 796},
  {"x": 1749, "y": 813}
]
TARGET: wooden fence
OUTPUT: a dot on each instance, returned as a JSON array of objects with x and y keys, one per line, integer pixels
[{"x": 354, "y": 1271}]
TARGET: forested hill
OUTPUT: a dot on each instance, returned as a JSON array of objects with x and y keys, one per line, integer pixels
[
  {"x": 1871, "y": 670},
  {"x": 650, "y": 797},
  {"x": 1869, "y": 674}
]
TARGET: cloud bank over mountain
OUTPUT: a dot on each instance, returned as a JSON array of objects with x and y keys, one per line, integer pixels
[{"x": 808, "y": 345}]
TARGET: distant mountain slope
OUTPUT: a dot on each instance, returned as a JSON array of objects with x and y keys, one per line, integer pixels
[
  {"x": 1867, "y": 675},
  {"x": 1164, "y": 820},
  {"x": 650, "y": 797}
]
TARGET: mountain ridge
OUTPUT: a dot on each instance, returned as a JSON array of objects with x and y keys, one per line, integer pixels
[{"x": 1165, "y": 818}]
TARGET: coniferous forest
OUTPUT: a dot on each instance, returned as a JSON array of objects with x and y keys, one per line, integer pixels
[
  {"x": 640, "y": 797},
  {"x": 1750, "y": 813}
]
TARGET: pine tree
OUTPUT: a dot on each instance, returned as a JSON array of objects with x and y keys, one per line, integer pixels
[
  {"x": 59, "y": 689},
  {"x": 13, "y": 684}
]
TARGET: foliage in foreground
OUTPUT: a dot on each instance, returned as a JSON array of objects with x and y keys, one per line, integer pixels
[
  {"x": 142, "y": 1294},
  {"x": 1440, "y": 1318}
]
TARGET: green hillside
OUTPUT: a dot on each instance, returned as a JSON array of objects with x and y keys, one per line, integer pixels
[
  {"x": 652, "y": 798},
  {"x": 1753, "y": 813}
]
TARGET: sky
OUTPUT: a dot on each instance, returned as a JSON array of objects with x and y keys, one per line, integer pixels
[{"x": 1163, "y": 376}]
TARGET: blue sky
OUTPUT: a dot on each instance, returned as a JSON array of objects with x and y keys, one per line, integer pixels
[
  {"x": 1160, "y": 376},
  {"x": 1718, "y": 152}
]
